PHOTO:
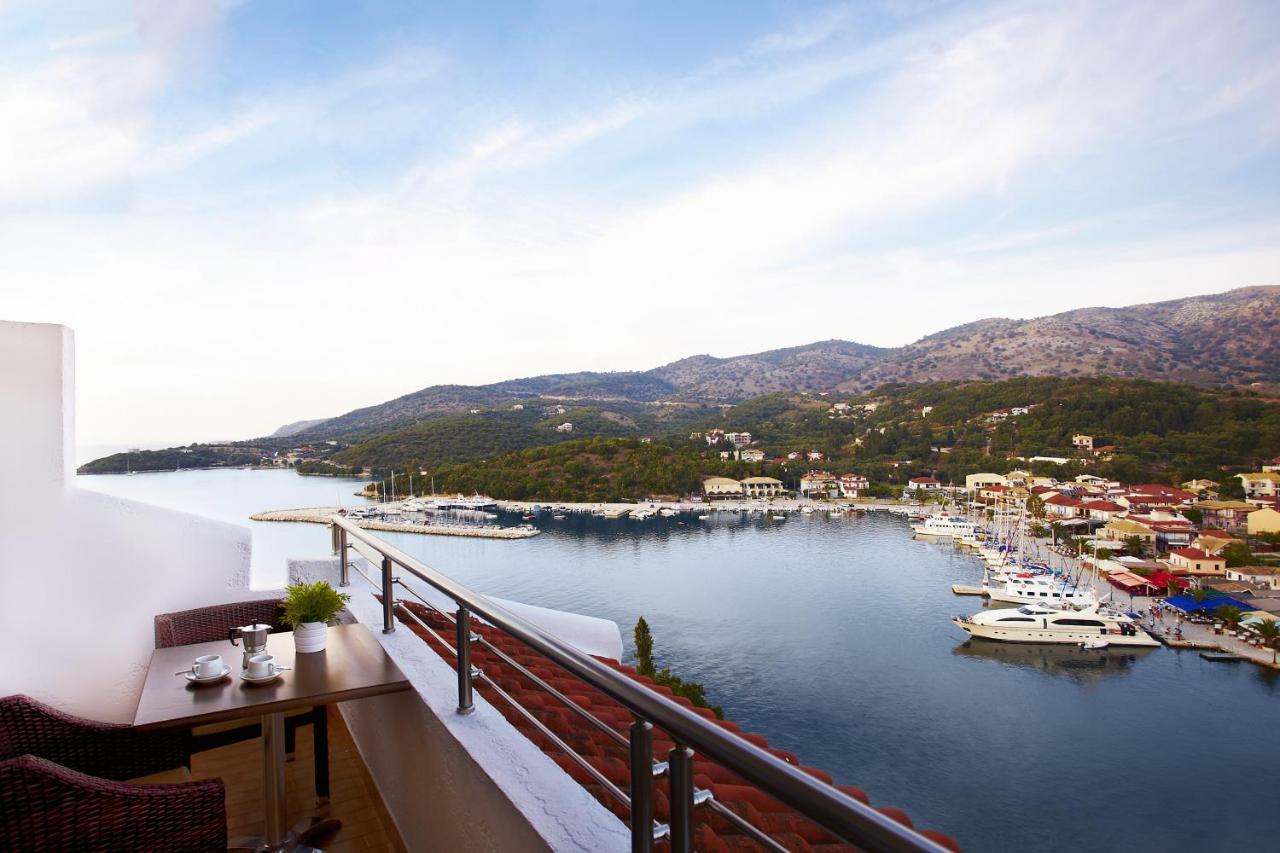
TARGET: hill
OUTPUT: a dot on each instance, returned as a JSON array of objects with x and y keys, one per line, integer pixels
[{"x": 1230, "y": 339}]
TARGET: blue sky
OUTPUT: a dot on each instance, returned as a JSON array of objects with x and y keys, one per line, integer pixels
[{"x": 258, "y": 211}]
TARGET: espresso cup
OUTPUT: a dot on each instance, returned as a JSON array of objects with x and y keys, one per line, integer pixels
[
  {"x": 207, "y": 666},
  {"x": 262, "y": 666}
]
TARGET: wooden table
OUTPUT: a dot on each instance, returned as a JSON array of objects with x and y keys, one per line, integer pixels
[{"x": 352, "y": 666}]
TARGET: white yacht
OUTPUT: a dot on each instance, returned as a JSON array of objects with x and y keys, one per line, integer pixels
[
  {"x": 1038, "y": 588},
  {"x": 944, "y": 525},
  {"x": 1036, "y": 623}
]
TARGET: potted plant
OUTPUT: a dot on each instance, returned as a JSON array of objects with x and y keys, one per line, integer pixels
[{"x": 309, "y": 608}]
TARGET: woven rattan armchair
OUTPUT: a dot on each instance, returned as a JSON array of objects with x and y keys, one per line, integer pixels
[
  {"x": 60, "y": 786},
  {"x": 47, "y": 807},
  {"x": 209, "y": 624}
]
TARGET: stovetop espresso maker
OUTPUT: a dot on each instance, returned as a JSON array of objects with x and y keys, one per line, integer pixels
[{"x": 254, "y": 638}]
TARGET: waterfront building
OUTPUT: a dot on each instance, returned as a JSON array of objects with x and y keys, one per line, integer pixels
[
  {"x": 852, "y": 485},
  {"x": 973, "y": 482},
  {"x": 923, "y": 484},
  {"x": 819, "y": 484},
  {"x": 763, "y": 487},
  {"x": 721, "y": 487}
]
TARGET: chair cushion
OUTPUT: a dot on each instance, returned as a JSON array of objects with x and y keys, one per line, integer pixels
[{"x": 165, "y": 777}]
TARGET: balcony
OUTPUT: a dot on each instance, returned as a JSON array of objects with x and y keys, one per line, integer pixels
[{"x": 518, "y": 728}]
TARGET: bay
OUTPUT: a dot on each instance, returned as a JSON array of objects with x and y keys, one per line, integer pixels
[{"x": 831, "y": 637}]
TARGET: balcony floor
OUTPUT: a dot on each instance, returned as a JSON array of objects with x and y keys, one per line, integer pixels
[{"x": 366, "y": 825}]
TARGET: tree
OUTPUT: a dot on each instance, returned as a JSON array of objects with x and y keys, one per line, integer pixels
[
  {"x": 1133, "y": 544},
  {"x": 1198, "y": 594},
  {"x": 1035, "y": 506},
  {"x": 1237, "y": 554},
  {"x": 644, "y": 648},
  {"x": 1172, "y": 587},
  {"x": 1193, "y": 515},
  {"x": 1230, "y": 614},
  {"x": 1269, "y": 631}
]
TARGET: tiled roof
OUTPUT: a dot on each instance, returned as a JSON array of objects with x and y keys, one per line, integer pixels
[
  {"x": 1194, "y": 554},
  {"x": 711, "y": 831},
  {"x": 1103, "y": 506}
]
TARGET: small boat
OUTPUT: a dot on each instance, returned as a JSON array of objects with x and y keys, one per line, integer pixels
[
  {"x": 527, "y": 517},
  {"x": 1094, "y": 644},
  {"x": 559, "y": 516},
  {"x": 703, "y": 517}
]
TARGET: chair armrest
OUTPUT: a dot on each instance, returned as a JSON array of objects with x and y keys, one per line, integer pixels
[
  {"x": 106, "y": 750},
  {"x": 44, "y": 806}
]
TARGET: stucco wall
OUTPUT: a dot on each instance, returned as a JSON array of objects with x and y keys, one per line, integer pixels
[{"x": 81, "y": 573}]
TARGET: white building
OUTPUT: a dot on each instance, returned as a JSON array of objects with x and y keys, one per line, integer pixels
[
  {"x": 974, "y": 482},
  {"x": 738, "y": 439},
  {"x": 752, "y": 454},
  {"x": 565, "y": 427}
]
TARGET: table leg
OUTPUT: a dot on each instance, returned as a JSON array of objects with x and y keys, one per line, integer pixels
[{"x": 273, "y": 779}]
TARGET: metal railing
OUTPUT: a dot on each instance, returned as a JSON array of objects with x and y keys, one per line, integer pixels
[{"x": 821, "y": 803}]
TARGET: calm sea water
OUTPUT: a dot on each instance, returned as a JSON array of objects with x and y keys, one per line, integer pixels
[{"x": 831, "y": 637}]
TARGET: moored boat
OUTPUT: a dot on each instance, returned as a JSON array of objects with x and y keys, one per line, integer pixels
[{"x": 1035, "y": 623}]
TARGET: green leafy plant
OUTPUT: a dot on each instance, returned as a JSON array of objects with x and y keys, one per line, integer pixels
[
  {"x": 691, "y": 690},
  {"x": 312, "y": 602}
]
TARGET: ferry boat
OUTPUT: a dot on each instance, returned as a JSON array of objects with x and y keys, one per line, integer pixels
[
  {"x": 943, "y": 524},
  {"x": 1037, "y": 588},
  {"x": 1037, "y": 623}
]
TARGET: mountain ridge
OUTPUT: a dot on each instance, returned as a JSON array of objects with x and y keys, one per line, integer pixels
[{"x": 1228, "y": 339}]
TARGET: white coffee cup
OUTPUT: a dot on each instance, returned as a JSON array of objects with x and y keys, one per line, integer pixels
[
  {"x": 262, "y": 666},
  {"x": 207, "y": 666}
]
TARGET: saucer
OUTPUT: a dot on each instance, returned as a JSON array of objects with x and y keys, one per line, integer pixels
[
  {"x": 195, "y": 679},
  {"x": 265, "y": 679}
]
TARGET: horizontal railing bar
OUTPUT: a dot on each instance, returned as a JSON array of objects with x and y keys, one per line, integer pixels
[
  {"x": 538, "y": 682},
  {"x": 568, "y": 750},
  {"x": 747, "y": 827},
  {"x": 429, "y": 630},
  {"x": 848, "y": 818}
]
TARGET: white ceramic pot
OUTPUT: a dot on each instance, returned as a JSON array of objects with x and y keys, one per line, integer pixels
[{"x": 310, "y": 636}]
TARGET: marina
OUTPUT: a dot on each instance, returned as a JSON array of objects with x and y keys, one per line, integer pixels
[{"x": 778, "y": 622}]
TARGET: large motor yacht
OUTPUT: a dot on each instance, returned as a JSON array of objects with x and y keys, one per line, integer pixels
[
  {"x": 943, "y": 524},
  {"x": 1036, "y": 623},
  {"x": 1037, "y": 588}
]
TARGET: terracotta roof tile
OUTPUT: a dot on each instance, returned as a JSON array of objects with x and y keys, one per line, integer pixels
[{"x": 712, "y": 831}]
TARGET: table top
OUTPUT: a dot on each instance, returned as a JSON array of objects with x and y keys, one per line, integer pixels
[{"x": 352, "y": 666}]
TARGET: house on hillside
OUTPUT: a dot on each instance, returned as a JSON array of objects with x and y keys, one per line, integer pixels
[
  {"x": 1229, "y": 515},
  {"x": 815, "y": 456},
  {"x": 1265, "y": 520},
  {"x": 752, "y": 454},
  {"x": 1202, "y": 488},
  {"x": 1080, "y": 441},
  {"x": 1194, "y": 561},
  {"x": 1262, "y": 484},
  {"x": 738, "y": 439},
  {"x": 1267, "y": 576},
  {"x": 565, "y": 427}
]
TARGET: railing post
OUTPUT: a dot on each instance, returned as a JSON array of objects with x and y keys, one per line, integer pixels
[
  {"x": 680, "y": 772},
  {"x": 641, "y": 786},
  {"x": 344, "y": 574},
  {"x": 388, "y": 601},
  {"x": 463, "y": 620}
]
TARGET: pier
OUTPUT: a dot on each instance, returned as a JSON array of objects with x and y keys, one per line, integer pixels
[{"x": 322, "y": 514}]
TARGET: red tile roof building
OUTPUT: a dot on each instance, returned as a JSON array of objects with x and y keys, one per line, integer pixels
[{"x": 712, "y": 832}]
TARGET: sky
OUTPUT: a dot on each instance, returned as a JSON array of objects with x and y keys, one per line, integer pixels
[{"x": 257, "y": 212}]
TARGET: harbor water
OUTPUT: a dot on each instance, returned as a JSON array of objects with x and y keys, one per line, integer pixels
[{"x": 831, "y": 637}]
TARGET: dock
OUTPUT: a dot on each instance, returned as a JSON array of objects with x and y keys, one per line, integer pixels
[
  {"x": 1221, "y": 657},
  {"x": 321, "y": 515},
  {"x": 964, "y": 589}
]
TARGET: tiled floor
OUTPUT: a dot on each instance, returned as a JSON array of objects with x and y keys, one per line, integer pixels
[{"x": 354, "y": 800}]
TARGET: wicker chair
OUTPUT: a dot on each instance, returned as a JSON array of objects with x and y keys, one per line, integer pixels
[
  {"x": 60, "y": 786},
  {"x": 209, "y": 624}
]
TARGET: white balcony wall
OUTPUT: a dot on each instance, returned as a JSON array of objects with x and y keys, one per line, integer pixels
[{"x": 81, "y": 573}]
